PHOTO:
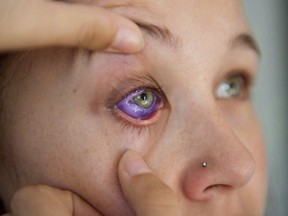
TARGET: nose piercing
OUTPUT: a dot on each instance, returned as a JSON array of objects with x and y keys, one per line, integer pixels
[{"x": 204, "y": 164}]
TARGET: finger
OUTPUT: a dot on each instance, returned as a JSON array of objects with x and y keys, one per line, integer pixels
[
  {"x": 35, "y": 23},
  {"x": 81, "y": 207},
  {"x": 47, "y": 201},
  {"x": 146, "y": 194}
]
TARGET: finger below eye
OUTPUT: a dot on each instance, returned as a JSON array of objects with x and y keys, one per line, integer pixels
[{"x": 144, "y": 191}]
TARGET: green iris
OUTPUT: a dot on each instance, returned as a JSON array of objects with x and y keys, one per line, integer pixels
[
  {"x": 234, "y": 86},
  {"x": 145, "y": 99}
]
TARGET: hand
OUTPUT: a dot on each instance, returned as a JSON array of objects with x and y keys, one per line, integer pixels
[
  {"x": 146, "y": 194},
  {"x": 44, "y": 200},
  {"x": 26, "y": 24}
]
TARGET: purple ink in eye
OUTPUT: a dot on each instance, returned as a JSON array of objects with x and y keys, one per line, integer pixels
[{"x": 139, "y": 104}]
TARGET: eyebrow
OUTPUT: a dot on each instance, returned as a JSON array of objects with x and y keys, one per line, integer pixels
[
  {"x": 165, "y": 36},
  {"x": 246, "y": 40},
  {"x": 162, "y": 34}
]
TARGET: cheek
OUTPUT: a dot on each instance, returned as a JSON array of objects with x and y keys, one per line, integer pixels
[
  {"x": 72, "y": 149},
  {"x": 254, "y": 194},
  {"x": 257, "y": 187},
  {"x": 243, "y": 120},
  {"x": 246, "y": 125}
]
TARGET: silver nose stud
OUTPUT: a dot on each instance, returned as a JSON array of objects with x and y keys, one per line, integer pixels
[{"x": 204, "y": 164}]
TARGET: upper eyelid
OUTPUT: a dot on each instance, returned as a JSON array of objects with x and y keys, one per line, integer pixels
[
  {"x": 129, "y": 85},
  {"x": 249, "y": 76}
]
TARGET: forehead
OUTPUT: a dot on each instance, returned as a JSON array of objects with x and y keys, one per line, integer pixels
[
  {"x": 188, "y": 12},
  {"x": 170, "y": 8},
  {"x": 190, "y": 6},
  {"x": 185, "y": 16},
  {"x": 193, "y": 22}
]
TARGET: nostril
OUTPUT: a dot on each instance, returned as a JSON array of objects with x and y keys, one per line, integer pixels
[
  {"x": 198, "y": 193},
  {"x": 218, "y": 187}
]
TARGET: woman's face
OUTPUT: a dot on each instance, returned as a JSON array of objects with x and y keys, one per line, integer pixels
[{"x": 182, "y": 101}]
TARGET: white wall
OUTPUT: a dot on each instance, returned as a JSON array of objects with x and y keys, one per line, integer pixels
[{"x": 269, "y": 22}]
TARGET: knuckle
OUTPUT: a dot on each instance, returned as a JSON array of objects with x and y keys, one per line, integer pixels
[{"x": 85, "y": 35}]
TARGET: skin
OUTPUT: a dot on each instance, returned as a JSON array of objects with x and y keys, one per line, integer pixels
[{"x": 60, "y": 129}]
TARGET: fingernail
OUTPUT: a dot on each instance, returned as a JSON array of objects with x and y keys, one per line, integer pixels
[
  {"x": 135, "y": 165},
  {"x": 127, "y": 40}
]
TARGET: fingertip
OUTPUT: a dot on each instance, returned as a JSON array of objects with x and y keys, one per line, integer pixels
[
  {"x": 133, "y": 164},
  {"x": 128, "y": 37},
  {"x": 110, "y": 32},
  {"x": 127, "y": 40},
  {"x": 89, "y": 27}
]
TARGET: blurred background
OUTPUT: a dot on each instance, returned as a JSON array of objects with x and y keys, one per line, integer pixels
[{"x": 269, "y": 21}]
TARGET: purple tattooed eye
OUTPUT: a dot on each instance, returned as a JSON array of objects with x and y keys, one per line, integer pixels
[{"x": 140, "y": 104}]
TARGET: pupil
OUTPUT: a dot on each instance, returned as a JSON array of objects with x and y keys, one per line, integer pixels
[
  {"x": 143, "y": 96},
  {"x": 144, "y": 99},
  {"x": 232, "y": 85}
]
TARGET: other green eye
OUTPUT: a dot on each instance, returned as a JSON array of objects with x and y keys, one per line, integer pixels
[{"x": 232, "y": 87}]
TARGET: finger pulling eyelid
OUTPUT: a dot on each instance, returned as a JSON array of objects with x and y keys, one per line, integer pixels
[{"x": 144, "y": 15}]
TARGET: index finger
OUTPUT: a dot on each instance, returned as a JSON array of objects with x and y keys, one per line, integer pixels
[{"x": 42, "y": 23}]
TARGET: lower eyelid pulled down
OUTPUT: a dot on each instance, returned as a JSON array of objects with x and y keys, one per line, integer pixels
[
  {"x": 137, "y": 125},
  {"x": 138, "y": 118},
  {"x": 126, "y": 120},
  {"x": 140, "y": 104}
]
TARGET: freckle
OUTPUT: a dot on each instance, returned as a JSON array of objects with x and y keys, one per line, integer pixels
[{"x": 74, "y": 90}]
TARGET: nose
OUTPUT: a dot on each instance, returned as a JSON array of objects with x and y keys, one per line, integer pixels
[{"x": 222, "y": 163}]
